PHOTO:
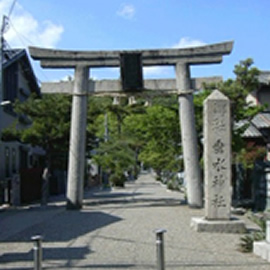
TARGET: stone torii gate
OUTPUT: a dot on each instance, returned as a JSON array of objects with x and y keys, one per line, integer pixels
[{"x": 82, "y": 61}]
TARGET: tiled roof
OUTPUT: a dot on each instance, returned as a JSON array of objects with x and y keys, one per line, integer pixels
[
  {"x": 252, "y": 132},
  {"x": 262, "y": 120},
  {"x": 264, "y": 77}
]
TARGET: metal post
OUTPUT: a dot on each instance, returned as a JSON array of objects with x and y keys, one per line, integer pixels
[
  {"x": 37, "y": 252},
  {"x": 160, "y": 249}
]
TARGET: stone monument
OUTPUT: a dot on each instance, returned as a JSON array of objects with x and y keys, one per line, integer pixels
[{"x": 217, "y": 168}]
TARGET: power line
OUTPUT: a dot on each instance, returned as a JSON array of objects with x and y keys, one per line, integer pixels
[
  {"x": 25, "y": 41},
  {"x": 11, "y": 8},
  {"x": 21, "y": 36}
]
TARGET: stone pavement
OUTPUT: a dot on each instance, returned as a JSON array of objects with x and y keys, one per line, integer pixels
[{"x": 114, "y": 230}]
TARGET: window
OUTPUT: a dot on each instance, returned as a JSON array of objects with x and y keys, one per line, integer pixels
[
  {"x": 13, "y": 160},
  {"x": 7, "y": 162}
]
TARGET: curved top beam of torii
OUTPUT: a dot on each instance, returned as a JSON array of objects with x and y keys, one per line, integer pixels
[{"x": 209, "y": 54}]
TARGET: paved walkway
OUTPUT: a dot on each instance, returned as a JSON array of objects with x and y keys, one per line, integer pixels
[{"x": 115, "y": 231}]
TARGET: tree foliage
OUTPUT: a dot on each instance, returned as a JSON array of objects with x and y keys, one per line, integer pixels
[
  {"x": 237, "y": 91},
  {"x": 159, "y": 136},
  {"x": 135, "y": 133},
  {"x": 50, "y": 123},
  {"x": 115, "y": 156}
]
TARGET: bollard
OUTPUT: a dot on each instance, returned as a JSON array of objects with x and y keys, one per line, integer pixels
[
  {"x": 160, "y": 249},
  {"x": 37, "y": 248}
]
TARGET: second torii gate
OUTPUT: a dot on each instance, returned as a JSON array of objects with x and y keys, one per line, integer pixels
[{"x": 82, "y": 61}]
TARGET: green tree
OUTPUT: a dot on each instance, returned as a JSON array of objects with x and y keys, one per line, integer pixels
[
  {"x": 97, "y": 107},
  {"x": 156, "y": 132},
  {"x": 115, "y": 158},
  {"x": 50, "y": 124},
  {"x": 49, "y": 129},
  {"x": 236, "y": 90},
  {"x": 114, "y": 152}
]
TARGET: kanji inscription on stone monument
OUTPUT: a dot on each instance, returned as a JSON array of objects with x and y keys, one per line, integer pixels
[{"x": 217, "y": 156}]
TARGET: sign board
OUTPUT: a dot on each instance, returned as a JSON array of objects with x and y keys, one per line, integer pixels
[{"x": 131, "y": 71}]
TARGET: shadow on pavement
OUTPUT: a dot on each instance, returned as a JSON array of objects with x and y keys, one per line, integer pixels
[
  {"x": 65, "y": 226},
  {"x": 69, "y": 253},
  {"x": 138, "y": 203},
  {"x": 108, "y": 266},
  {"x": 105, "y": 195}
]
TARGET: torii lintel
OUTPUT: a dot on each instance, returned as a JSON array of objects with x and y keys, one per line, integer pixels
[{"x": 208, "y": 54}]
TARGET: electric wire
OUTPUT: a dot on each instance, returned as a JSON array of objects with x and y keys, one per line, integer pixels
[
  {"x": 11, "y": 8},
  {"x": 25, "y": 41}
]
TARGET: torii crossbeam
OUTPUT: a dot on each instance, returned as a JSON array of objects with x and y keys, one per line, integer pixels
[{"x": 209, "y": 54}]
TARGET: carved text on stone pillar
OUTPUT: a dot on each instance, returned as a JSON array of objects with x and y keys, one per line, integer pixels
[{"x": 217, "y": 156}]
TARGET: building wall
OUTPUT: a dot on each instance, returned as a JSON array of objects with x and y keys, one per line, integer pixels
[
  {"x": 24, "y": 88},
  {"x": 10, "y": 164},
  {"x": 252, "y": 98},
  {"x": 8, "y": 118},
  {"x": 14, "y": 156},
  {"x": 261, "y": 96},
  {"x": 264, "y": 95}
]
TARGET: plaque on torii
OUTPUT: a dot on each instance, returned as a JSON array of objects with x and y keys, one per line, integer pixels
[{"x": 131, "y": 63}]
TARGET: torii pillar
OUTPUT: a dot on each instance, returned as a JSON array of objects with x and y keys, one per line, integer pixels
[
  {"x": 76, "y": 161},
  {"x": 81, "y": 61},
  {"x": 189, "y": 135}
]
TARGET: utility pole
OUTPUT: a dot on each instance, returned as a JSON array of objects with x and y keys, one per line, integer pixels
[
  {"x": 4, "y": 28},
  {"x": 2, "y": 190},
  {"x": 1, "y": 57}
]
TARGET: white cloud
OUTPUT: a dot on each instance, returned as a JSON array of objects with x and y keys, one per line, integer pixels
[
  {"x": 187, "y": 42},
  {"x": 155, "y": 71},
  {"x": 126, "y": 11},
  {"x": 25, "y": 29},
  {"x": 51, "y": 33}
]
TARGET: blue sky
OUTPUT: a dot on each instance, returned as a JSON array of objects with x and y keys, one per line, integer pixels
[{"x": 142, "y": 24}]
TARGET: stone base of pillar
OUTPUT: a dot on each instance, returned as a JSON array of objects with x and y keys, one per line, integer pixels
[
  {"x": 73, "y": 206},
  {"x": 262, "y": 249},
  {"x": 200, "y": 224}
]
